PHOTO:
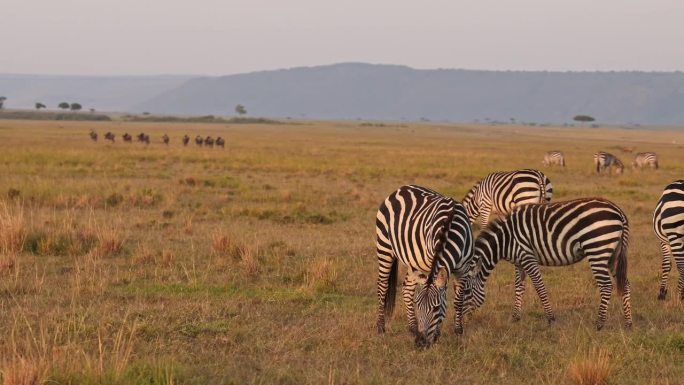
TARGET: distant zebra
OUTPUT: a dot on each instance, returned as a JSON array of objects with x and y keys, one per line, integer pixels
[
  {"x": 127, "y": 138},
  {"x": 643, "y": 159},
  {"x": 143, "y": 138},
  {"x": 500, "y": 192},
  {"x": 604, "y": 160},
  {"x": 199, "y": 140},
  {"x": 109, "y": 136},
  {"x": 554, "y": 158},
  {"x": 186, "y": 140},
  {"x": 555, "y": 234},
  {"x": 220, "y": 142},
  {"x": 668, "y": 224},
  {"x": 209, "y": 141},
  {"x": 93, "y": 135},
  {"x": 431, "y": 235},
  {"x": 165, "y": 139}
]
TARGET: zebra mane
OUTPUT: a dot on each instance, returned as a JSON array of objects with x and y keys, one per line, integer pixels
[{"x": 439, "y": 249}]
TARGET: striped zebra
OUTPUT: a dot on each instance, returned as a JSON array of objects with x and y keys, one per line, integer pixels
[
  {"x": 431, "y": 235},
  {"x": 555, "y": 234},
  {"x": 604, "y": 160},
  {"x": 643, "y": 159},
  {"x": 554, "y": 158},
  {"x": 500, "y": 192},
  {"x": 668, "y": 224}
]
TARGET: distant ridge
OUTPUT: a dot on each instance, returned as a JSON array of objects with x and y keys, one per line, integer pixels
[
  {"x": 383, "y": 92},
  {"x": 357, "y": 90}
]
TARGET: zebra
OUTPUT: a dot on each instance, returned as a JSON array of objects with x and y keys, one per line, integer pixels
[
  {"x": 166, "y": 139},
  {"x": 555, "y": 234},
  {"x": 143, "y": 138},
  {"x": 500, "y": 192},
  {"x": 431, "y": 235},
  {"x": 604, "y": 160},
  {"x": 127, "y": 138},
  {"x": 209, "y": 141},
  {"x": 220, "y": 142},
  {"x": 668, "y": 224},
  {"x": 554, "y": 157},
  {"x": 642, "y": 159},
  {"x": 186, "y": 140},
  {"x": 93, "y": 135},
  {"x": 199, "y": 140},
  {"x": 109, "y": 136}
]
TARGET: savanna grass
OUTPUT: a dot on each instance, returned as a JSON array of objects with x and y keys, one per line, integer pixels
[{"x": 133, "y": 264}]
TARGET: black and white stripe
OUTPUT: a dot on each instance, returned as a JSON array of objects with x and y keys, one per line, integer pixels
[
  {"x": 431, "y": 235},
  {"x": 668, "y": 224},
  {"x": 501, "y": 192},
  {"x": 604, "y": 160},
  {"x": 556, "y": 234},
  {"x": 554, "y": 158},
  {"x": 643, "y": 159}
]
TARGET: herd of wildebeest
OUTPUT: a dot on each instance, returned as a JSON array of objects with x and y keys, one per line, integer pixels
[
  {"x": 432, "y": 236},
  {"x": 144, "y": 138}
]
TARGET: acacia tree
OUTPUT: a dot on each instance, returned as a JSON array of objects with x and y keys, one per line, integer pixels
[
  {"x": 75, "y": 106},
  {"x": 2, "y": 102},
  {"x": 583, "y": 118},
  {"x": 240, "y": 109},
  {"x": 64, "y": 105},
  {"x": 40, "y": 105}
]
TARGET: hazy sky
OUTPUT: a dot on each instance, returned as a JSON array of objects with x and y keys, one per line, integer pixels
[{"x": 215, "y": 37}]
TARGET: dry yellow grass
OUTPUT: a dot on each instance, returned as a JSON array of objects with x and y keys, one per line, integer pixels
[{"x": 127, "y": 264}]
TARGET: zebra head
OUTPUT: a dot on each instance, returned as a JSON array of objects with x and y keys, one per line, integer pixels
[{"x": 430, "y": 309}]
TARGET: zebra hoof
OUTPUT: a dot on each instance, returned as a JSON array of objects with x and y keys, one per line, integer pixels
[
  {"x": 599, "y": 325},
  {"x": 413, "y": 330},
  {"x": 662, "y": 294},
  {"x": 516, "y": 317},
  {"x": 458, "y": 330},
  {"x": 381, "y": 328},
  {"x": 628, "y": 325},
  {"x": 551, "y": 320}
]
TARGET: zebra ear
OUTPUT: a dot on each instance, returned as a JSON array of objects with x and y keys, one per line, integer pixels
[{"x": 442, "y": 277}]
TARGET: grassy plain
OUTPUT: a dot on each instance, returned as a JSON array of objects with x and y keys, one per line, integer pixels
[{"x": 126, "y": 264}]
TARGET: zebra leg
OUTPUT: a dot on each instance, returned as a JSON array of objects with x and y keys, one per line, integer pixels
[
  {"x": 531, "y": 267},
  {"x": 387, "y": 277},
  {"x": 666, "y": 266},
  {"x": 458, "y": 307},
  {"x": 600, "y": 270},
  {"x": 519, "y": 291},
  {"x": 626, "y": 305},
  {"x": 678, "y": 254},
  {"x": 407, "y": 292}
]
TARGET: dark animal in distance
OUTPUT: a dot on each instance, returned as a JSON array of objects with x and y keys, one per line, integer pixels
[
  {"x": 220, "y": 142},
  {"x": 93, "y": 135},
  {"x": 143, "y": 138},
  {"x": 127, "y": 138},
  {"x": 209, "y": 141},
  {"x": 186, "y": 140},
  {"x": 166, "y": 139},
  {"x": 109, "y": 136},
  {"x": 199, "y": 140}
]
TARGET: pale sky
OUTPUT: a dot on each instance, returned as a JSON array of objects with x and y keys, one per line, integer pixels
[{"x": 218, "y": 37}]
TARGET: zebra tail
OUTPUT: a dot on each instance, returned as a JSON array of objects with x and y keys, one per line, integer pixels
[
  {"x": 391, "y": 292},
  {"x": 621, "y": 264}
]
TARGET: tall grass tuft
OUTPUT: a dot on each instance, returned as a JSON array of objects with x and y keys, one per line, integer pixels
[
  {"x": 321, "y": 275},
  {"x": 592, "y": 369},
  {"x": 12, "y": 230},
  {"x": 22, "y": 372}
]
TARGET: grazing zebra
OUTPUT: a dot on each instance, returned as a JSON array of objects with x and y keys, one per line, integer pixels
[
  {"x": 109, "y": 136},
  {"x": 143, "y": 138},
  {"x": 186, "y": 140},
  {"x": 555, "y": 234},
  {"x": 431, "y": 235},
  {"x": 93, "y": 135},
  {"x": 642, "y": 159},
  {"x": 668, "y": 224},
  {"x": 604, "y": 160},
  {"x": 209, "y": 141},
  {"x": 554, "y": 157},
  {"x": 199, "y": 140},
  {"x": 220, "y": 142},
  {"x": 127, "y": 138},
  {"x": 500, "y": 192},
  {"x": 165, "y": 139}
]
